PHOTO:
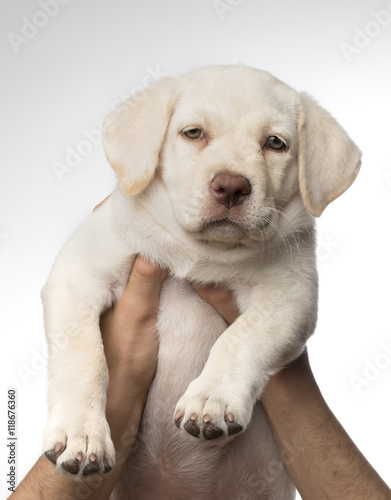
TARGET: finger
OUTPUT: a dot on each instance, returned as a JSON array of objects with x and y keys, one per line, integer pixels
[
  {"x": 220, "y": 299},
  {"x": 141, "y": 295},
  {"x": 146, "y": 275}
]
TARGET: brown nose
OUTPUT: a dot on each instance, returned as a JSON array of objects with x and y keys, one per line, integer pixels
[{"x": 230, "y": 190}]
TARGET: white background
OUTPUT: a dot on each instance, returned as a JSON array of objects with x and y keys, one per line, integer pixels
[{"x": 89, "y": 54}]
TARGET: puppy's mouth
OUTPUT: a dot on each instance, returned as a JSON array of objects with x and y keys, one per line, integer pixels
[
  {"x": 222, "y": 222},
  {"x": 227, "y": 229}
]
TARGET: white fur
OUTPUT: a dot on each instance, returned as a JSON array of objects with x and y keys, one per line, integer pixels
[{"x": 162, "y": 210}]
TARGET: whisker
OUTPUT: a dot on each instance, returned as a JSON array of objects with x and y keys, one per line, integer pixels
[{"x": 291, "y": 239}]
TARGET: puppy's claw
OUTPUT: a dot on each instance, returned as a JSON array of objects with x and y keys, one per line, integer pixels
[
  {"x": 71, "y": 466},
  {"x": 192, "y": 428},
  {"x": 211, "y": 431}
]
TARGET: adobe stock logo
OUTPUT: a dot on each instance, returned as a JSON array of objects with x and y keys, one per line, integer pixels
[
  {"x": 364, "y": 35},
  {"x": 91, "y": 138},
  {"x": 75, "y": 155},
  {"x": 224, "y": 7},
  {"x": 30, "y": 27},
  {"x": 373, "y": 369}
]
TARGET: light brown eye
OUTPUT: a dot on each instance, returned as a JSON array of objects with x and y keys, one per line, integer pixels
[
  {"x": 194, "y": 133},
  {"x": 274, "y": 142}
]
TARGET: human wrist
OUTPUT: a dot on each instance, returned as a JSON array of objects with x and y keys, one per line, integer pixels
[
  {"x": 124, "y": 424},
  {"x": 292, "y": 389},
  {"x": 125, "y": 403}
]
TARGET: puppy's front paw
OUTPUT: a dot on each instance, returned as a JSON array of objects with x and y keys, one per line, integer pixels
[
  {"x": 80, "y": 446},
  {"x": 213, "y": 412}
]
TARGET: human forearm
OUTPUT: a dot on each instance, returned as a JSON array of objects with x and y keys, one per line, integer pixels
[
  {"x": 45, "y": 483},
  {"x": 322, "y": 460},
  {"x": 130, "y": 343}
]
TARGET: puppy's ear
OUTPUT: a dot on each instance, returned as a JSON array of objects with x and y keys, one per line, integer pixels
[
  {"x": 134, "y": 132},
  {"x": 329, "y": 161}
]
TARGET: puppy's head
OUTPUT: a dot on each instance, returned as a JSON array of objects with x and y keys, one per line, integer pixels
[{"x": 234, "y": 147}]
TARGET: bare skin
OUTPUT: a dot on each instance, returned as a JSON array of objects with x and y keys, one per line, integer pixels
[{"x": 324, "y": 463}]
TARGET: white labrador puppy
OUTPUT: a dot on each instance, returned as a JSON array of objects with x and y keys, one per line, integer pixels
[{"x": 220, "y": 174}]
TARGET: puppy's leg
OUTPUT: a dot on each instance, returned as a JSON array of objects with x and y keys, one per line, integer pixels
[
  {"x": 77, "y": 436},
  {"x": 90, "y": 272},
  {"x": 271, "y": 332}
]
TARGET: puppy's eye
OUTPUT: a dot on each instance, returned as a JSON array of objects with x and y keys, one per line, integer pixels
[
  {"x": 194, "y": 133},
  {"x": 274, "y": 142}
]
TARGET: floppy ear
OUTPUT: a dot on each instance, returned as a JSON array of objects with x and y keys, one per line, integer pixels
[
  {"x": 133, "y": 134},
  {"x": 329, "y": 161}
]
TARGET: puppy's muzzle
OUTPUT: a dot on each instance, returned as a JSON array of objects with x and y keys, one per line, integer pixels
[{"x": 230, "y": 190}]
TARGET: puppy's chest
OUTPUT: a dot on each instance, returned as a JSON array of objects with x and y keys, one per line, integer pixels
[
  {"x": 185, "y": 322},
  {"x": 188, "y": 327}
]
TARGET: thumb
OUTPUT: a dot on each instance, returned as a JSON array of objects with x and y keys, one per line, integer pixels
[
  {"x": 221, "y": 299},
  {"x": 141, "y": 295}
]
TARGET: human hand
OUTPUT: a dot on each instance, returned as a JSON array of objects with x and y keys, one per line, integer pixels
[{"x": 220, "y": 299}]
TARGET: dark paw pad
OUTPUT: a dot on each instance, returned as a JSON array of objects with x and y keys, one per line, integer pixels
[
  {"x": 233, "y": 427},
  {"x": 91, "y": 468},
  {"x": 211, "y": 431},
  {"x": 52, "y": 455},
  {"x": 72, "y": 466},
  {"x": 192, "y": 428}
]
